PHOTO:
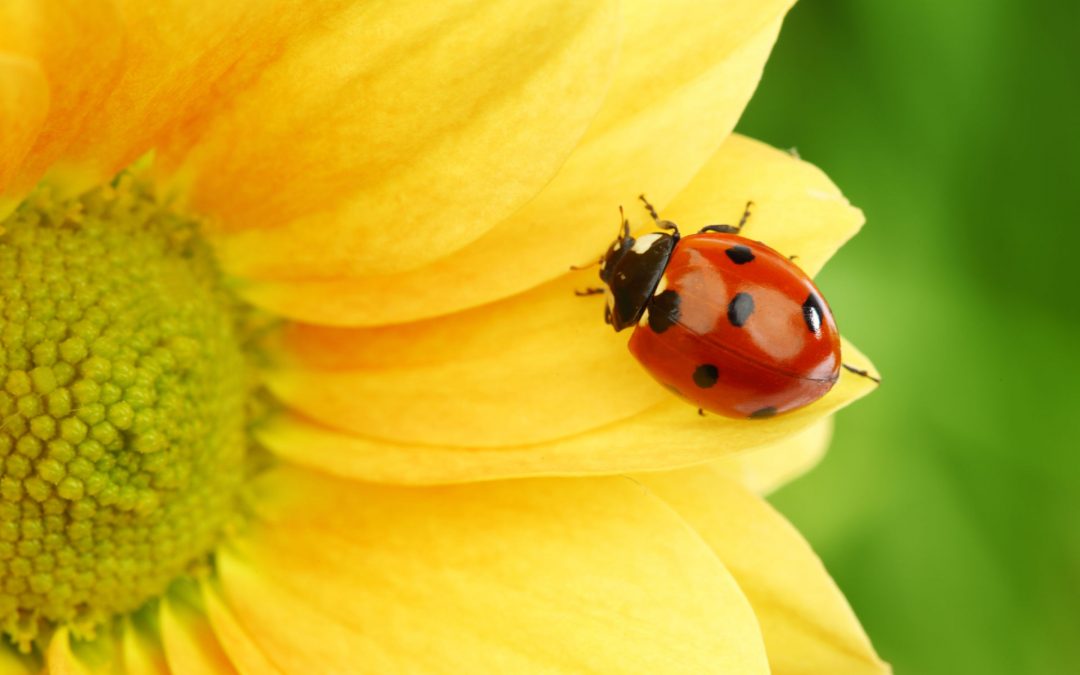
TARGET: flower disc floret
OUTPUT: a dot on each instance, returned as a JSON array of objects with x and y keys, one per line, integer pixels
[{"x": 122, "y": 394}]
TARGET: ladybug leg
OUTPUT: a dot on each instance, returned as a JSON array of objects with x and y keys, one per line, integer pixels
[
  {"x": 731, "y": 229},
  {"x": 588, "y": 291},
  {"x": 725, "y": 229},
  {"x": 662, "y": 224},
  {"x": 861, "y": 373},
  {"x": 701, "y": 412},
  {"x": 745, "y": 214}
]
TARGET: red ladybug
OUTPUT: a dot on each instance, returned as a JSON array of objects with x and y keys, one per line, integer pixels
[{"x": 723, "y": 321}]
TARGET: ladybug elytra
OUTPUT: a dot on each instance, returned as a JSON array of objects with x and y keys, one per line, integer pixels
[{"x": 723, "y": 321}]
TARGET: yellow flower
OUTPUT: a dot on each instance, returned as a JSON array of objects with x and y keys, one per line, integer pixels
[{"x": 404, "y": 186}]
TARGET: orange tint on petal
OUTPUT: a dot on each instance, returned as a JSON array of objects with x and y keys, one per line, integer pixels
[
  {"x": 667, "y": 435},
  {"x": 554, "y": 576},
  {"x": 807, "y": 624},
  {"x": 657, "y": 128},
  {"x": 24, "y": 103},
  {"x": 78, "y": 46}
]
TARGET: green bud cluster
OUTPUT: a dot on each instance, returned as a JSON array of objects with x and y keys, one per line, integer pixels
[{"x": 122, "y": 395}]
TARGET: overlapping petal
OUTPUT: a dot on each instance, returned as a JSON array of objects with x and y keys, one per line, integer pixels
[
  {"x": 537, "y": 366},
  {"x": 668, "y": 435},
  {"x": 797, "y": 210},
  {"x": 245, "y": 654},
  {"x": 123, "y": 75},
  {"x": 807, "y": 624},
  {"x": 683, "y": 80},
  {"x": 533, "y": 576},
  {"x": 423, "y": 216},
  {"x": 538, "y": 373},
  {"x": 156, "y": 75},
  {"x": 52, "y": 34},
  {"x": 141, "y": 649},
  {"x": 96, "y": 656},
  {"x": 24, "y": 102},
  {"x": 768, "y": 467},
  {"x": 359, "y": 173},
  {"x": 191, "y": 645}
]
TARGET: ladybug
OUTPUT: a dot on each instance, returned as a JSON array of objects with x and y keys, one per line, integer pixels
[{"x": 723, "y": 321}]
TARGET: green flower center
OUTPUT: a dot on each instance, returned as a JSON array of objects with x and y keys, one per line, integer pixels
[{"x": 122, "y": 395}]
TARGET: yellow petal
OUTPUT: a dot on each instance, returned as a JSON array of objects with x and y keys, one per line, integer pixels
[
  {"x": 24, "y": 102},
  {"x": 13, "y": 663},
  {"x": 401, "y": 132},
  {"x": 518, "y": 577},
  {"x": 126, "y": 76},
  {"x": 531, "y": 385},
  {"x": 807, "y": 624},
  {"x": 686, "y": 72},
  {"x": 529, "y": 369},
  {"x": 797, "y": 210},
  {"x": 668, "y": 435},
  {"x": 191, "y": 645},
  {"x": 535, "y": 367},
  {"x": 66, "y": 656},
  {"x": 78, "y": 46},
  {"x": 61, "y": 660},
  {"x": 141, "y": 649},
  {"x": 234, "y": 638},
  {"x": 765, "y": 468}
]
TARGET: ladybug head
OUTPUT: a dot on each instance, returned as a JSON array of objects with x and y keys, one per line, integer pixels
[{"x": 631, "y": 270}]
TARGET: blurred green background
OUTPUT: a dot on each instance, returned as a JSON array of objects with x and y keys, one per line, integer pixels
[{"x": 947, "y": 508}]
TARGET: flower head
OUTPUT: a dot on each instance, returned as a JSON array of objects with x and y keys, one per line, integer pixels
[{"x": 265, "y": 391}]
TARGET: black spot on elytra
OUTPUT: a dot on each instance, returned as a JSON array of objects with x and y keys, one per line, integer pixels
[
  {"x": 740, "y": 308},
  {"x": 706, "y": 375},
  {"x": 663, "y": 311},
  {"x": 740, "y": 255},
  {"x": 764, "y": 413},
  {"x": 812, "y": 313}
]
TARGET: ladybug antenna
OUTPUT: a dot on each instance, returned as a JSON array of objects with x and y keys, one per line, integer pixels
[{"x": 624, "y": 234}]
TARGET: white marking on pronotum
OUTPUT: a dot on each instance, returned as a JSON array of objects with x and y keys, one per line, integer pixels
[
  {"x": 660, "y": 286},
  {"x": 644, "y": 320},
  {"x": 645, "y": 242}
]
